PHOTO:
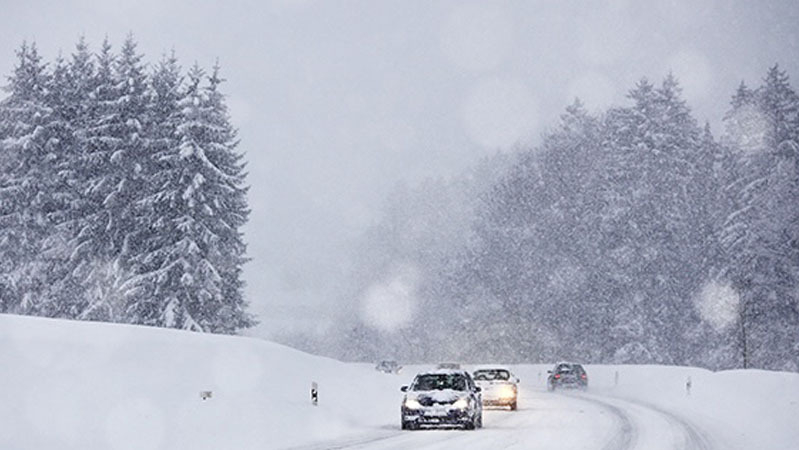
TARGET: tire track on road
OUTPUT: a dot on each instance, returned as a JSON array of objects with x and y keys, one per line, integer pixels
[
  {"x": 696, "y": 438},
  {"x": 626, "y": 433},
  {"x": 348, "y": 443},
  {"x": 693, "y": 438}
]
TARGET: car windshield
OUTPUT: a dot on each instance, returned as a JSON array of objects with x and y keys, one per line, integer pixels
[
  {"x": 432, "y": 382},
  {"x": 492, "y": 374},
  {"x": 563, "y": 368}
]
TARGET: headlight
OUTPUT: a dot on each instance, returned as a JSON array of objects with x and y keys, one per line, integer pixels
[
  {"x": 507, "y": 392},
  {"x": 462, "y": 403},
  {"x": 412, "y": 404}
]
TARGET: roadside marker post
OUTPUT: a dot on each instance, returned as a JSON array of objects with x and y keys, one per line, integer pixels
[{"x": 314, "y": 393}]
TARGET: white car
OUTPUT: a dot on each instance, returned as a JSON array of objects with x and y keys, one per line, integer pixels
[
  {"x": 443, "y": 397},
  {"x": 499, "y": 386}
]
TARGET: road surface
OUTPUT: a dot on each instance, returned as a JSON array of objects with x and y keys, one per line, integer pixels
[{"x": 560, "y": 420}]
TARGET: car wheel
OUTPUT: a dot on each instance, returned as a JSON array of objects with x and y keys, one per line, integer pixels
[
  {"x": 513, "y": 406},
  {"x": 469, "y": 425},
  {"x": 480, "y": 420},
  {"x": 408, "y": 425}
]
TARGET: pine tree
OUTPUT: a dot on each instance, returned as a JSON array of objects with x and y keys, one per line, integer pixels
[
  {"x": 28, "y": 147},
  {"x": 198, "y": 274},
  {"x": 73, "y": 103},
  {"x": 780, "y": 273},
  {"x": 114, "y": 138},
  {"x": 62, "y": 195},
  {"x": 156, "y": 262},
  {"x": 758, "y": 235},
  {"x": 122, "y": 195}
]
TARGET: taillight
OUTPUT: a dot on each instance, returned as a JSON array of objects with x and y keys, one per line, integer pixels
[
  {"x": 582, "y": 376},
  {"x": 557, "y": 375}
]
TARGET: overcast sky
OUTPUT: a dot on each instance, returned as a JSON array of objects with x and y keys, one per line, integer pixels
[{"x": 337, "y": 101}]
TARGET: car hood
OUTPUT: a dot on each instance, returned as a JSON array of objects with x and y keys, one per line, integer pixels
[{"x": 444, "y": 396}]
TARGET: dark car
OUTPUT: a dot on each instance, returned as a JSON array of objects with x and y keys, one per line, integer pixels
[
  {"x": 442, "y": 398},
  {"x": 568, "y": 375},
  {"x": 388, "y": 366},
  {"x": 448, "y": 365}
]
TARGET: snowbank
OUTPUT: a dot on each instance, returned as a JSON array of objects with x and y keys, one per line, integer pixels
[
  {"x": 102, "y": 386},
  {"x": 740, "y": 408}
]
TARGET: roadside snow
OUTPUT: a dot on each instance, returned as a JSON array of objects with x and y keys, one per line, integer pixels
[{"x": 101, "y": 386}]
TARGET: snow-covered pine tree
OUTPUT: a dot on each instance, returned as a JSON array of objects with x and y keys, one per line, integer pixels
[
  {"x": 113, "y": 168},
  {"x": 687, "y": 223},
  {"x": 655, "y": 201},
  {"x": 62, "y": 195},
  {"x": 28, "y": 149},
  {"x": 131, "y": 157},
  {"x": 566, "y": 298},
  {"x": 110, "y": 182},
  {"x": 758, "y": 234},
  {"x": 72, "y": 102},
  {"x": 198, "y": 274},
  {"x": 624, "y": 239},
  {"x": 780, "y": 106},
  {"x": 156, "y": 263},
  {"x": 710, "y": 346},
  {"x": 90, "y": 263}
]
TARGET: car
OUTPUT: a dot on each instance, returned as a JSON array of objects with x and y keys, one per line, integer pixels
[
  {"x": 448, "y": 365},
  {"x": 443, "y": 397},
  {"x": 388, "y": 366},
  {"x": 567, "y": 375},
  {"x": 499, "y": 387}
]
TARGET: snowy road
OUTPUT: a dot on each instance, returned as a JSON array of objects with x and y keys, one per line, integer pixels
[
  {"x": 569, "y": 420},
  {"x": 107, "y": 386}
]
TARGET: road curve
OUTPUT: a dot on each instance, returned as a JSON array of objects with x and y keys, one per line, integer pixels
[
  {"x": 560, "y": 420},
  {"x": 649, "y": 427},
  {"x": 546, "y": 420}
]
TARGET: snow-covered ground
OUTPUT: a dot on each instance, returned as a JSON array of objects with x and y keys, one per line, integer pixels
[{"x": 101, "y": 386}]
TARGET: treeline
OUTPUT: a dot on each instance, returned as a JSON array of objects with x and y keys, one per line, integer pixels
[
  {"x": 632, "y": 236},
  {"x": 122, "y": 194}
]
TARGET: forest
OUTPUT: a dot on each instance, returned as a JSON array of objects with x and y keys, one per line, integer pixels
[
  {"x": 635, "y": 235},
  {"x": 122, "y": 193},
  {"x": 631, "y": 235}
]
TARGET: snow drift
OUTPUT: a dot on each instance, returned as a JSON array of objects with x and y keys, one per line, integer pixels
[{"x": 103, "y": 386}]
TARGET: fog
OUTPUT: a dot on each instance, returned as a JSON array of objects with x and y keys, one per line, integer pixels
[{"x": 337, "y": 102}]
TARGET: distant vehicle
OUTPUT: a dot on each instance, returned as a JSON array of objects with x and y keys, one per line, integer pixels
[
  {"x": 499, "y": 386},
  {"x": 388, "y": 366},
  {"x": 448, "y": 365},
  {"x": 443, "y": 397},
  {"x": 569, "y": 375}
]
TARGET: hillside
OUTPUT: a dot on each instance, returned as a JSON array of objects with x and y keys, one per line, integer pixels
[{"x": 102, "y": 386}]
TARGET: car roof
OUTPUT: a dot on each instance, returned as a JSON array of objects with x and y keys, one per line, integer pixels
[
  {"x": 490, "y": 368},
  {"x": 571, "y": 366},
  {"x": 443, "y": 372}
]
